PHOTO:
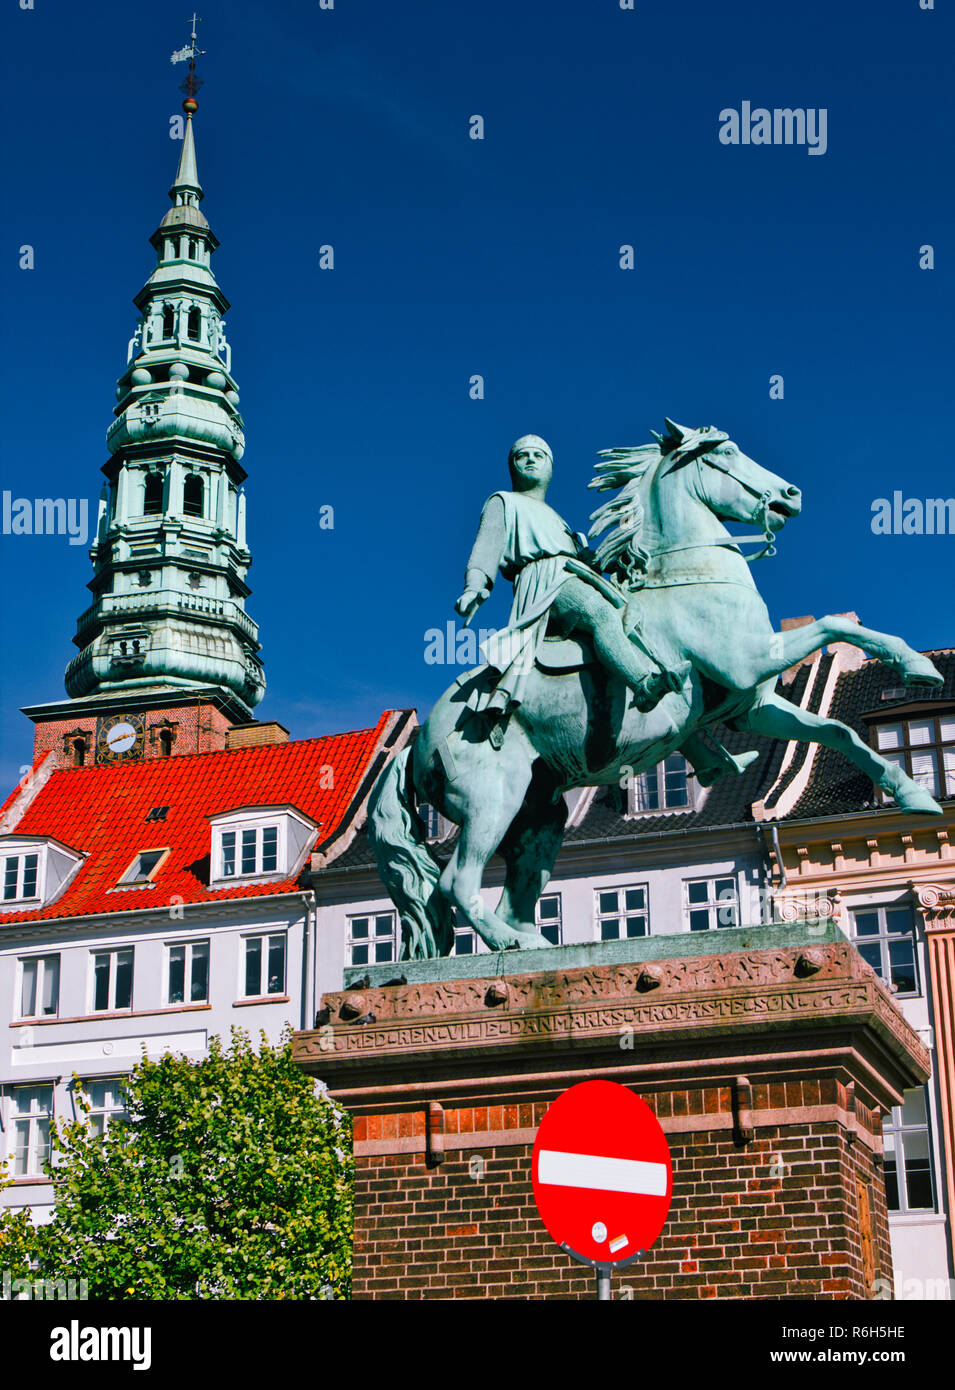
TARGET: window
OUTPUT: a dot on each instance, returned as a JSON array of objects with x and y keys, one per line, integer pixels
[
  {"x": 112, "y": 980},
  {"x": 39, "y": 986},
  {"x": 20, "y": 876},
  {"x": 165, "y": 743},
  {"x": 192, "y": 324},
  {"x": 909, "y": 1183},
  {"x": 548, "y": 918},
  {"x": 661, "y": 788},
  {"x": 924, "y": 748},
  {"x": 192, "y": 495},
  {"x": 434, "y": 824},
  {"x": 253, "y": 851},
  {"x": 710, "y": 902},
  {"x": 193, "y": 249},
  {"x": 152, "y": 497},
  {"x": 885, "y": 937},
  {"x": 371, "y": 939},
  {"x": 79, "y": 751},
  {"x": 264, "y": 966},
  {"x": 622, "y": 913},
  {"x": 32, "y": 1111},
  {"x": 144, "y": 866},
  {"x": 466, "y": 940},
  {"x": 107, "y": 1104},
  {"x": 168, "y": 321},
  {"x": 187, "y": 973}
]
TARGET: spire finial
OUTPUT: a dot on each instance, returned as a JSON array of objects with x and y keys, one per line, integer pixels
[{"x": 189, "y": 54}]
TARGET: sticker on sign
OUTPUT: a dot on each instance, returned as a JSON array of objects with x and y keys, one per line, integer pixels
[{"x": 602, "y": 1173}]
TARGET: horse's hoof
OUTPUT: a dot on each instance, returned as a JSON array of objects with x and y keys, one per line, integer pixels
[
  {"x": 918, "y": 801},
  {"x": 922, "y": 672}
]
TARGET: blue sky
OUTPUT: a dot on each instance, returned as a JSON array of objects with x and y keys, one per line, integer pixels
[{"x": 499, "y": 257}]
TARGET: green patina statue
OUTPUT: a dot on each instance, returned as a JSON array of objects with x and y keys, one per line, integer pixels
[{"x": 610, "y": 662}]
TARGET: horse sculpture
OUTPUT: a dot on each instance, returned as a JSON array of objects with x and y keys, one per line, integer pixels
[{"x": 686, "y": 589}]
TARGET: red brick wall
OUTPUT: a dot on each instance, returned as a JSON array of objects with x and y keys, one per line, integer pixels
[
  {"x": 776, "y": 1218},
  {"x": 198, "y": 729}
]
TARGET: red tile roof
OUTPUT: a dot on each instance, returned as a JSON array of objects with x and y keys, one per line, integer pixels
[{"x": 101, "y": 812}]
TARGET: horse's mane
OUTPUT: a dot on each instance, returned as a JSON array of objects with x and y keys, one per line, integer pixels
[{"x": 633, "y": 471}]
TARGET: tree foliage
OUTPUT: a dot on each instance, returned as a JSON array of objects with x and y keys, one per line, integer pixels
[{"x": 231, "y": 1179}]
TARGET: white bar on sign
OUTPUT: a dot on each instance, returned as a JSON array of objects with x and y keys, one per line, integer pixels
[{"x": 607, "y": 1174}]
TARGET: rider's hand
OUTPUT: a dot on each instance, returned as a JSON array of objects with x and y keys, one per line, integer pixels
[{"x": 469, "y": 603}]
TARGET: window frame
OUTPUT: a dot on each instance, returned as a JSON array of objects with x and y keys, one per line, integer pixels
[
  {"x": 903, "y": 718},
  {"x": 16, "y": 1118},
  {"x": 542, "y": 922},
  {"x": 258, "y": 818},
  {"x": 188, "y": 945},
  {"x": 714, "y": 904},
  {"x": 41, "y": 961},
  {"x": 883, "y": 938},
  {"x": 897, "y": 1129},
  {"x": 394, "y": 937},
  {"x": 111, "y": 1007},
  {"x": 141, "y": 880},
  {"x": 659, "y": 772},
  {"x": 21, "y": 855},
  {"x": 267, "y": 937},
  {"x": 621, "y": 914},
  {"x": 108, "y": 1114}
]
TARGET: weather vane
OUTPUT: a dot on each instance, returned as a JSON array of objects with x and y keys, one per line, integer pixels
[{"x": 189, "y": 54}]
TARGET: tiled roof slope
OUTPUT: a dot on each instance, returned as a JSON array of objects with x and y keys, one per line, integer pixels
[
  {"x": 836, "y": 787},
  {"x": 101, "y": 812}
]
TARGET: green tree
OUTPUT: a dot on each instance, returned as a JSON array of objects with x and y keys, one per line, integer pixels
[
  {"x": 18, "y": 1241},
  {"x": 230, "y": 1179}
]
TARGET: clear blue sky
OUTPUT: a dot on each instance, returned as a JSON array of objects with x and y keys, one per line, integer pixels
[{"x": 497, "y": 257}]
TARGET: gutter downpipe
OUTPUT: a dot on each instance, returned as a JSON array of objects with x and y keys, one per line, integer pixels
[{"x": 309, "y": 902}]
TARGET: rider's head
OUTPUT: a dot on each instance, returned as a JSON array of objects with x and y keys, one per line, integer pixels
[{"x": 531, "y": 463}]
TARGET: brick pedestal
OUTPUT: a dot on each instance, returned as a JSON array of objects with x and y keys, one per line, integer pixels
[{"x": 768, "y": 1069}]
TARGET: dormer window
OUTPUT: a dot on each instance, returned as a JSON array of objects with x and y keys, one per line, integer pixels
[
  {"x": 666, "y": 787},
  {"x": 260, "y": 842},
  {"x": 924, "y": 747},
  {"x": 250, "y": 851},
  {"x": 20, "y": 876},
  {"x": 34, "y": 871}
]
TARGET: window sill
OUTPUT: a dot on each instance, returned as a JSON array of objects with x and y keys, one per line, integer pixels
[
  {"x": 263, "y": 999},
  {"x": 32, "y": 1182},
  {"x": 119, "y": 1013}
]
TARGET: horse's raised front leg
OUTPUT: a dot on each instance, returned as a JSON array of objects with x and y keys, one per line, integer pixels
[
  {"x": 779, "y": 719},
  {"x": 785, "y": 649}
]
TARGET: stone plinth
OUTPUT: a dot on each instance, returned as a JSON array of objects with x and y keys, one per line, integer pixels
[{"x": 769, "y": 1067}]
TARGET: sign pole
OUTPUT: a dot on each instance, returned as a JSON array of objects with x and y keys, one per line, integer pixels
[{"x": 604, "y": 1271}]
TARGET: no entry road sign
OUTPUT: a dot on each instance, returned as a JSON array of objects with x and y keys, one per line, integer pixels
[{"x": 602, "y": 1173}]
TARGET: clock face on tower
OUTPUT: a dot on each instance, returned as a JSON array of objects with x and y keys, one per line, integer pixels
[{"x": 120, "y": 737}]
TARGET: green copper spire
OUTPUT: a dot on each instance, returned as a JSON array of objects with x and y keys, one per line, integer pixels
[{"x": 170, "y": 555}]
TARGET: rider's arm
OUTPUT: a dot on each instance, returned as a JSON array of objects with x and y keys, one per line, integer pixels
[{"x": 485, "y": 558}]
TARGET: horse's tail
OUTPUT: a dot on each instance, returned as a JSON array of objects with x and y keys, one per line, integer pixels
[{"x": 406, "y": 866}]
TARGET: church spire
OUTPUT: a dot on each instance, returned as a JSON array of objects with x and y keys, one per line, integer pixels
[{"x": 170, "y": 555}]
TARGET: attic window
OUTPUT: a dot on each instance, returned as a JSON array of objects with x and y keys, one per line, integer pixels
[
  {"x": 924, "y": 748},
  {"x": 158, "y": 812},
  {"x": 20, "y": 876},
  {"x": 144, "y": 866}
]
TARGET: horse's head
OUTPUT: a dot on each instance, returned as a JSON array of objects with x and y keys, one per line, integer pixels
[
  {"x": 731, "y": 484},
  {"x": 709, "y": 472}
]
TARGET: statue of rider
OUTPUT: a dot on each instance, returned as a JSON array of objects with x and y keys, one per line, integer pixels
[{"x": 525, "y": 540}]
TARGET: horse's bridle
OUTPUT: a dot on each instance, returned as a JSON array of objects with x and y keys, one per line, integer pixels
[{"x": 758, "y": 517}]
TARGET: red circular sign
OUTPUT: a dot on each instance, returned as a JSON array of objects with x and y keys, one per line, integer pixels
[{"x": 602, "y": 1172}]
